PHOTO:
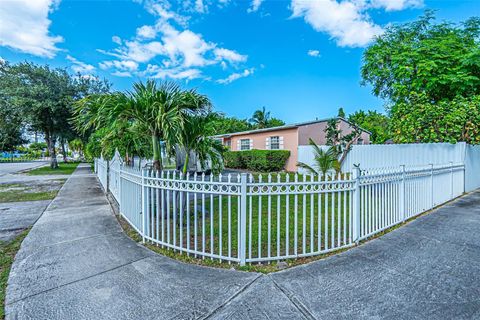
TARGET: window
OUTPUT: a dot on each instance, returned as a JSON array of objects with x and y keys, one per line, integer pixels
[
  {"x": 245, "y": 144},
  {"x": 228, "y": 144},
  {"x": 360, "y": 141},
  {"x": 275, "y": 143}
]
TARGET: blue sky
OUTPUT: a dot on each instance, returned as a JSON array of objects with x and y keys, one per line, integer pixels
[{"x": 300, "y": 59}]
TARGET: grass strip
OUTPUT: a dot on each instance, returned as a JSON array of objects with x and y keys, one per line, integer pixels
[
  {"x": 8, "y": 250},
  {"x": 63, "y": 168}
]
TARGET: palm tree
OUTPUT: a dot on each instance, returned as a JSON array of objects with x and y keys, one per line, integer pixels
[
  {"x": 324, "y": 160},
  {"x": 160, "y": 110},
  {"x": 195, "y": 138},
  {"x": 261, "y": 118}
]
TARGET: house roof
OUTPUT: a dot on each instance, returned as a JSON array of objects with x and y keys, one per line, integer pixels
[{"x": 286, "y": 126}]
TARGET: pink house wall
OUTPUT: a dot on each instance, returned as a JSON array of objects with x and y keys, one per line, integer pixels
[
  {"x": 290, "y": 142},
  {"x": 292, "y": 138}
]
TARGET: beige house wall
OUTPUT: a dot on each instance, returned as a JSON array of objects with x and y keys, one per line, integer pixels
[
  {"x": 290, "y": 142},
  {"x": 316, "y": 131}
]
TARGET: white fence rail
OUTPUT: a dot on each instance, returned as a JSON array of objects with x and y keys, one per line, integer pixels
[{"x": 246, "y": 219}]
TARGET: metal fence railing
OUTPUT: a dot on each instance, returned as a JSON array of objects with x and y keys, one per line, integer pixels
[{"x": 246, "y": 218}]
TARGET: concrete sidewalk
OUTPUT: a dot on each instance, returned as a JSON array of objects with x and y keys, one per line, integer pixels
[{"x": 76, "y": 263}]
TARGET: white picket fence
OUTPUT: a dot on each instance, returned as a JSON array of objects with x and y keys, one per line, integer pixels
[{"x": 246, "y": 219}]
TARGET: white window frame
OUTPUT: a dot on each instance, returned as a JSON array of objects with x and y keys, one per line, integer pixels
[
  {"x": 245, "y": 144},
  {"x": 274, "y": 145}
]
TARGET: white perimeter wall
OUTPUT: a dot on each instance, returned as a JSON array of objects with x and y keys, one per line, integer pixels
[
  {"x": 472, "y": 168},
  {"x": 410, "y": 155},
  {"x": 392, "y": 155}
]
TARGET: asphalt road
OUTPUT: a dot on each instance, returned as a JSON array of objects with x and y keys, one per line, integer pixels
[
  {"x": 13, "y": 167},
  {"x": 76, "y": 263}
]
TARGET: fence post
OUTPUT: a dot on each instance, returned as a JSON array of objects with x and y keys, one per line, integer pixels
[
  {"x": 243, "y": 219},
  {"x": 432, "y": 203},
  {"x": 451, "y": 180},
  {"x": 144, "y": 207},
  {"x": 120, "y": 187},
  {"x": 107, "y": 188},
  {"x": 356, "y": 205},
  {"x": 402, "y": 194}
]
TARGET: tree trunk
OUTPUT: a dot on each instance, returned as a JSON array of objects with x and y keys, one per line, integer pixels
[
  {"x": 64, "y": 152},
  {"x": 51, "y": 151},
  {"x": 185, "y": 164},
  {"x": 157, "y": 161}
]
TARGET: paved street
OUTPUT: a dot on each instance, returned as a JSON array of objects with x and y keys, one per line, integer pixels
[
  {"x": 13, "y": 167},
  {"x": 76, "y": 263}
]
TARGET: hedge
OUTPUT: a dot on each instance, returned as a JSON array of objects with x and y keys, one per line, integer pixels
[{"x": 257, "y": 160}]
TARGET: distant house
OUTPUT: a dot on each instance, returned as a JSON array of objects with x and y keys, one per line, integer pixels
[{"x": 288, "y": 137}]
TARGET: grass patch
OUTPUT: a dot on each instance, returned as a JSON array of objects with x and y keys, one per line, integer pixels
[
  {"x": 16, "y": 196},
  {"x": 8, "y": 250},
  {"x": 17, "y": 192},
  {"x": 63, "y": 168}
]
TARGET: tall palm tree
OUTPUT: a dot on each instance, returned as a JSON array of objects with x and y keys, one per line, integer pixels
[
  {"x": 195, "y": 138},
  {"x": 160, "y": 109},
  {"x": 324, "y": 160},
  {"x": 260, "y": 118}
]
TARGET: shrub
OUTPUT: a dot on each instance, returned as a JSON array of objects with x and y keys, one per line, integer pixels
[{"x": 257, "y": 160}]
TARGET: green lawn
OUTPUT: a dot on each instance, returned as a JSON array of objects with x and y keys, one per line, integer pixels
[
  {"x": 63, "y": 168},
  {"x": 7, "y": 254}
]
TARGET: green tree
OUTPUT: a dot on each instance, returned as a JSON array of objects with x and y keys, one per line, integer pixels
[
  {"x": 440, "y": 61},
  {"x": 324, "y": 160},
  {"x": 275, "y": 122},
  {"x": 42, "y": 96},
  {"x": 446, "y": 121},
  {"x": 260, "y": 118},
  {"x": 373, "y": 121},
  {"x": 341, "y": 143},
  {"x": 11, "y": 122},
  {"x": 430, "y": 75},
  {"x": 158, "y": 111},
  {"x": 341, "y": 113},
  {"x": 195, "y": 138},
  {"x": 223, "y": 124}
]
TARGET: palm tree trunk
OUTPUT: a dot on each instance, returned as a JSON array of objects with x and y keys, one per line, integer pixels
[
  {"x": 185, "y": 164},
  {"x": 157, "y": 164}
]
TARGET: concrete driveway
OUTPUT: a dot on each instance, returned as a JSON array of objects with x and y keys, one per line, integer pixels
[{"x": 76, "y": 263}]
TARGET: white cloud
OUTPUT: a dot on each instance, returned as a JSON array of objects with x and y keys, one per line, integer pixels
[
  {"x": 117, "y": 39},
  {"x": 200, "y": 7},
  {"x": 146, "y": 32},
  {"x": 124, "y": 65},
  {"x": 162, "y": 10},
  {"x": 155, "y": 71},
  {"x": 123, "y": 74},
  {"x": 396, "y": 5},
  {"x": 229, "y": 55},
  {"x": 25, "y": 27},
  {"x": 255, "y": 5},
  {"x": 345, "y": 21},
  {"x": 314, "y": 53},
  {"x": 170, "y": 49},
  {"x": 236, "y": 76},
  {"x": 79, "y": 66}
]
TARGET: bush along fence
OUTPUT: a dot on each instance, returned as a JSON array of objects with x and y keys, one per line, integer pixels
[{"x": 246, "y": 219}]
